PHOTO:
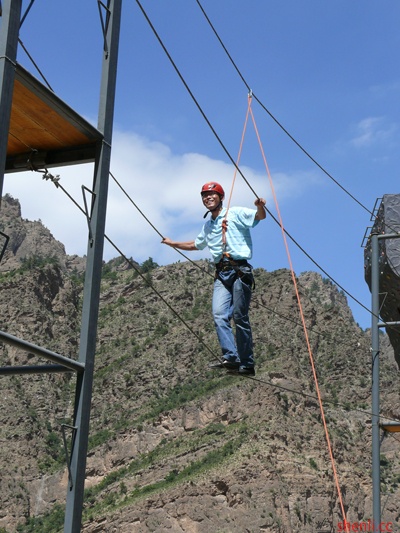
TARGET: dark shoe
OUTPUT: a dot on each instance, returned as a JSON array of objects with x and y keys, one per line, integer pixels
[
  {"x": 247, "y": 371},
  {"x": 228, "y": 365}
]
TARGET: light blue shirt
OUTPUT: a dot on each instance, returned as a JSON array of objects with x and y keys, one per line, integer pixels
[{"x": 238, "y": 239}]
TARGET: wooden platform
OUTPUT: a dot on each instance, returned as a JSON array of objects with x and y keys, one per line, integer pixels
[
  {"x": 44, "y": 131},
  {"x": 391, "y": 427}
]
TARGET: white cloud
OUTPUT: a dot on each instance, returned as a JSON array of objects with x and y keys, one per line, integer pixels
[
  {"x": 163, "y": 185},
  {"x": 372, "y": 130}
]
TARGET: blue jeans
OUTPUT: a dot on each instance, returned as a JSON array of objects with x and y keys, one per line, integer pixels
[{"x": 231, "y": 300}]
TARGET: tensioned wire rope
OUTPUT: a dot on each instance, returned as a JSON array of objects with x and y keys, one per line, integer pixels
[
  {"x": 315, "y": 377},
  {"x": 314, "y": 373},
  {"x": 305, "y": 330},
  {"x": 334, "y": 402},
  {"x": 299, "y": 145},
  {"x": 302, "y": 393},
  {"x": 294, "y": 281},
  {"x": 231, "y": 159},
  {"x": 58, "y": 185},
  {"x": 238, "y": 170},
  {"x": 245, "y": 179},
  {"x": 221, "y": 143},
  {"x": 318, "y": 266},
  {"x": 32, "y": 1},
  {"x": 23, "y": 19},
  {"x": 208, "y": 273},
  {"x": 276, "y": 386},
  {"x": 227, "y": 152},
  {"x": 319, "y": 399},
  {"x": 277, "y": 122},
  {"x": 25, "y": 49}
]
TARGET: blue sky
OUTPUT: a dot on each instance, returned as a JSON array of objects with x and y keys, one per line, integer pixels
[{"x": 328, "y": 72}]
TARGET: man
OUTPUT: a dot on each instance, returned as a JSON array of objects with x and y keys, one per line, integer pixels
[{"x": 227, "y": 235}]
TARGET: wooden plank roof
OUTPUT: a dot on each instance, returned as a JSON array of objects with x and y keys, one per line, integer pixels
[{"x": 44, "y": 131}]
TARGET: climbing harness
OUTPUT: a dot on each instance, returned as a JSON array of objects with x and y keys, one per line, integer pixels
[{"x": 227, "y": 264}]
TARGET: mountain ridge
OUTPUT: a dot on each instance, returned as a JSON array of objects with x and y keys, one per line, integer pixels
[{"x": 175, "y": 446}]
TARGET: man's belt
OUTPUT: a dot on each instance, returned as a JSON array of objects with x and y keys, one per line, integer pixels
[{"x": 230, "y": 264}]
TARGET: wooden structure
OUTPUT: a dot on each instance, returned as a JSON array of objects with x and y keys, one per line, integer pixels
[{"x": 44, "y": 131}]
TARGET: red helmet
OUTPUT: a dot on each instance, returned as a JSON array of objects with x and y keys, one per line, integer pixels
[{"x": 214, "y": 187}]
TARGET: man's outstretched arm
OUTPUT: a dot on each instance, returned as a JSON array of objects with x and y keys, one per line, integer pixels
[{"x": 187, "y": 246}]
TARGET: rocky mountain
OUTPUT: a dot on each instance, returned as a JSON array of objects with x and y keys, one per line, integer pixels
[
  {"x": 30, "y": 239},
  {"x": 173, "y": 445}
]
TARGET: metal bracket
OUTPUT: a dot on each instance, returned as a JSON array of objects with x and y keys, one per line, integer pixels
[
  {"x": 7, "y": 239},
  {"x": 366, "y": 237},
  {"x": 35, "y": 161},
  {"x": 88, "y": 217},
  {"x": 104, "y": 24},
  {"x": 6, "y": 58},
  {"x": 25, "y": 14},
  {"x": 385, "y": 295},
  {"x": 53, "y": 178},
  {"x": 375, "y": 209},
  {"x": 67, "y": 457}
]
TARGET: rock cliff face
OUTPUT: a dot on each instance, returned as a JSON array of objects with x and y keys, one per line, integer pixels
[
  {"x": 30, "y": 240},
  {"x": 174, "y": 446}
]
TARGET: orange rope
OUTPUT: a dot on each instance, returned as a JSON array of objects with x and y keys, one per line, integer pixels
[
  {"x": 224, "y": 222},
  {"x": 304, "y": 326}
]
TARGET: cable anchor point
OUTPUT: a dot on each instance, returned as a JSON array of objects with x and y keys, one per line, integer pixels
[{"x": 47, "y": 176}]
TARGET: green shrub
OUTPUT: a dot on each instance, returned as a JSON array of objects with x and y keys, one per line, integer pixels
[{"x": 148, "y": 265}]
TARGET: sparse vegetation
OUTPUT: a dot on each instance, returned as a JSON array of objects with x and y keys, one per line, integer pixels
[
  {"x": 148, "y": 265},
  {"x": 52, "y": 522},
  {"x": 166, "y": 428},
  {"x": 37, "y": 261}
]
